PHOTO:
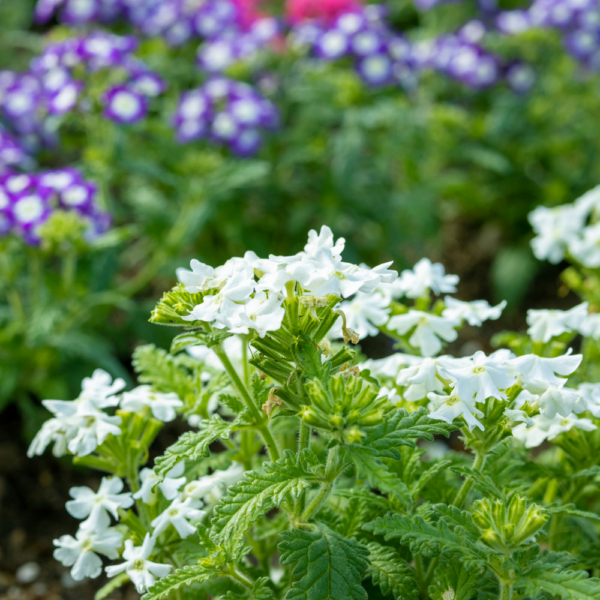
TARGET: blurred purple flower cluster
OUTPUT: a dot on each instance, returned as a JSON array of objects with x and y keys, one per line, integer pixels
[
  {"x": 31, "y": 102},
  {"x": 177, "y": 21},
  {"x": 28, "y": 200},
  {"x": 578, "y": 21},
  {"x": 12, "y": 153},
  {"x": 384, "y": 57},
  {"x": 227, "y": 112}
]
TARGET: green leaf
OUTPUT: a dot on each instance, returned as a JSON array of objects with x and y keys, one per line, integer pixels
[
  {"x": 111, "y": 586},
  {"x": 427, "y": 476},
  {"x": 391, "y": 572},
  {"x": 430, "y": 539},
  {"x": 401, "y": 428},
  {"x": 570, "y": 510},
  {"x": 453, "y": 580},
  {"x": 327, "y": 566},
  {"x": 262, "y": 589},
  {"x": 455, "y": 518},
  {"x": 258, "y": 493},
  {"x": 591, "y": 472},
  {"x": 378, "y": 475},
  {"x": 192, "y": 445},
  {"x": 204, "y": 338},
  {"x": 570, "y": 585},
  {"x": 233, "y": 403},
  {"x": 184, "y": 576}
]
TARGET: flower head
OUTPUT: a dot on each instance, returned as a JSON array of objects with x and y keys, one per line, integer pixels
[
  {"x": 163, "y": 406},
  {"x": 427, "y": 330}
]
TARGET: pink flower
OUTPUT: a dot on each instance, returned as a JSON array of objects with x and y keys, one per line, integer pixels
[
  {"x": 248, "y": 11},
  {"x": 328, "y": 10}
]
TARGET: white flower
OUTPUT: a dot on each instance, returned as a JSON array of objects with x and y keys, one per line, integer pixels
[
  {"x": 563, "y": 401},
  {"x": 364, "y": 313},
  {"x": 390, "y": 365},
  {"x": 591, "y": 326},
  {"x": 324, "y": 239},
  {"x": 260, "y": 313},
  {"x": 428, "y": 329},
  {"x": 514, "y": 414},
  {"x": 544, "y": 428},
  {"x": 586, "y": 249},
  {"x": 425, "y": 276},
  {"x": 447, "y": 408},
  {"x": 390, "y": 393},
  {"x": 420, "y": 379},
  {"x": 590, "y": 392},
  {"x": 80, "y": 551},
  {"x": 96, "y": 505},
  {"x": 222, "y": 307},
  {"x": 199, "y": 279},
  {"x": 556, "y": 228},
  {"x": 546, "y": 324},
  {"x": 59, "y": 431},
  {"x": 474, "y": 313},
  {"x": 546, "y": 370},
  {"x": 179, "y": 514},
  {"x": 211, "y": 487},
  {"x": 589, "y": 202},
  {"x": 483, "y": 378},
  {"x": 169, "y": 486},
  {"x": 141, "y": 571},
  {"x": 162, "y": 405},
  {"x": 93, "y": 427},
  {"x": 100, "y": 389}
]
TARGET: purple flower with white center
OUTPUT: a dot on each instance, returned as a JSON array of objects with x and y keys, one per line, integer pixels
[
  {"x": 80, "y": 12},
  {"x": 30, "y": 210},
  {"x": 582, "y": 43},
  {"x": 79, "y": 197},
  {"x": 218, "y": 55},
  {"x": 332, "y": 44},
  {"x": 11, "y": 153},
  {"x": 124, "y": 105},
  {"x": 513, "y": 22},
  {"x": 520, "y": 77},
  {"x": 367, "y": 42},
  {"x": 376, "y": 69},
  {"x": 247, "y": 143},
  {"x": 148, "y": 84}
]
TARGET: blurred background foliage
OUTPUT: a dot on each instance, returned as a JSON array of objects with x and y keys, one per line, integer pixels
[{"x": 439, "y": 171}]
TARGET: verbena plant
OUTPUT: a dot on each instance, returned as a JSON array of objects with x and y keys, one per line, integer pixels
[{"x": 311, "y": 474}]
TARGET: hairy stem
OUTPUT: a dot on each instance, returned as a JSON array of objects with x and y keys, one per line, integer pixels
[
  {"x": 506, "y": 591},
  {"x": 461, "y": 496},
  {"x": 240, "y": 578},
  {"x": 331, "y": 473},
  {"x": 261, "y": 426}
]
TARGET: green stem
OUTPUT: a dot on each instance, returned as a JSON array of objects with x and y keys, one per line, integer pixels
[
  {"x": 261, "y": 426},
  {"x": 304, "y": 437},
  {"x": 235, "y": 574},
  {"x": 420, "y": 575},
  {"x": 68, "y": 269},
  {"x": 506, "y": 591},
  {"x": 461, "y": 496},
  {"x": 331, "y": 473}
]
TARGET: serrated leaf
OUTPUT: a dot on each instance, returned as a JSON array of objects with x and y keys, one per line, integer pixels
[
  {"x": 197, "y": 338},
  {"x": 262, "y": 589},
  {"x": 591, "y": 472},
  {"x": 429, "y": 539},
  {"x": 570, "y": 585},
  {"x": 378, "y": 475},
  {"x": 453, "y": 580},
  {"x": 192, "y": 445},
  {"x": 258, "y": 493},
  {"x": 570, "y": 510},
  {"x": 402, "y": 428},
  {"x": 232, "y": 402},
  {"x": 480, "y": 480},
  {"x": 427, "y": 475},
  {"x": 455, "y": 517},
  {"x": 111, "y": 586},
  {"x": 184, "y": 576},
  {"x": 327, "y": 566},
  {"x": 391, "y": 572}
]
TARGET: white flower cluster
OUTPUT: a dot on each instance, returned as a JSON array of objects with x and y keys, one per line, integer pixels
[
  {"x": 248, "y": 293},
  {"x": 367, "y": 312},
  {"x": 456, "y": 386},
  {"x": 570, "y": 229},
  {"x": 81, "y": 425},
  {"x": 95, "y": 536}
]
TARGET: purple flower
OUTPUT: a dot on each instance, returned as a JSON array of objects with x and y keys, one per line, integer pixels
[
  {"x": 147, "y": 84},
  {"x": 332, "y": 44},
  {"x": 79, "y": 12},
  {"x": 30, "y": 210},
  {"x": 376, "y": 69},
  {"x": 520, "y": 77},
  {"x": 513, "y": 21},
  {"x": 124, "y": 105}
]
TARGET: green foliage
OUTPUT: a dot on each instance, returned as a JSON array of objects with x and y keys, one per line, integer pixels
[
  {"x": 192, "y": 445},
  {"x": 431, "y": 539},
  {"x": 391, "y": 573},
  {"x": 569, "y": 585},
  {"x": 184, "y": 576},
  {"x": 326, "y": 565},
  {"x": 258, "y": 493},
  {"x": 454, "y": 576}
]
